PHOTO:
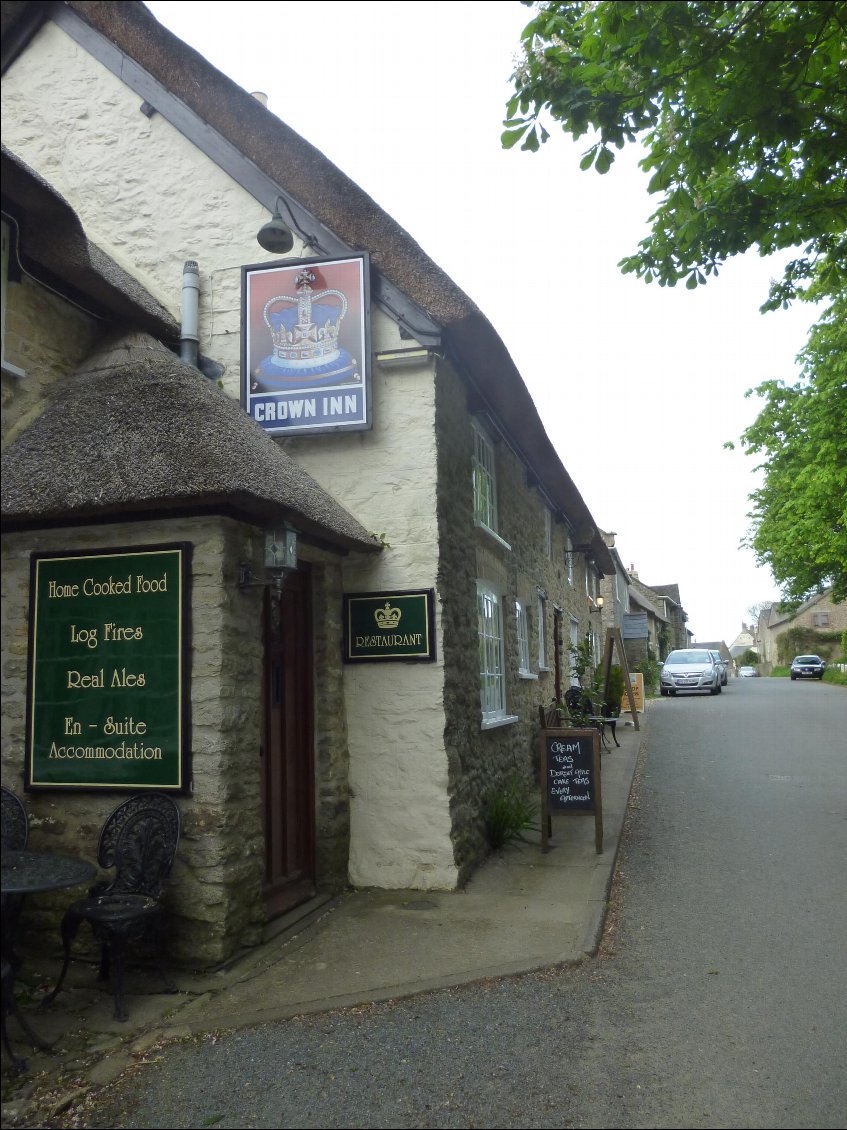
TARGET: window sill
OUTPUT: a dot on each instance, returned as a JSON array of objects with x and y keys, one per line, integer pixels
[
  {"x": 11, "y": 370},
  {"x": 544, "y": 669},
  {"x": 496, "y": 537},
  {"x": 495, "y": 723},
  {"x": 527, "y": 675}
]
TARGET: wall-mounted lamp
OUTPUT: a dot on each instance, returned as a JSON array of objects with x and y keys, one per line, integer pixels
[
  {"x": 599, "y": 602},
  {"x": 280, "y": 558},
  {"x": 276, "y": 235},
  {"x": 281, "y": 548}
]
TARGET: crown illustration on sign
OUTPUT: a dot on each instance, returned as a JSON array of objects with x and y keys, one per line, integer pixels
[
  {"x": 310, "y": 332},
  {"x": 387, "y": 617}
]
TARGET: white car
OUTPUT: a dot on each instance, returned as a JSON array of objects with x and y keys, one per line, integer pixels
[
  {"x": 748, "y": 672},
  {"x": 690, "y": 669}
]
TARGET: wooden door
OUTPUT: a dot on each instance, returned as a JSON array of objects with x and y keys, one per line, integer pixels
[{"x": 288, "y": 772}]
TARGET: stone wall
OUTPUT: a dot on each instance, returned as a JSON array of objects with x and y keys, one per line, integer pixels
[
  {"x": 480, "y": 759},
  {"x": 818, "y": 628},
  {"x": 332, "y": 762},
  {"x": 214, "y": 897},
  {"x": 46, "y": 337}
]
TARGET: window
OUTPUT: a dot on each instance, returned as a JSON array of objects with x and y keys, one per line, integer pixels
[
  {"x": 492, "y": 676},
  {"x": 548, "y": 534},
  {"x": 821, "y": 619},
  {"x": 574, "y": 629},
  {"x": 542, "y": 633},
  {"x": 522, "y": 629},
  {"x": 8, "y": 368},
  {"x": 484, "y": 482},
  {"x": 569, "y": 559}
]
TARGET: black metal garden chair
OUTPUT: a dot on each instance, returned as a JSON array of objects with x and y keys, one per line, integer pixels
[
  {"x": 15, "y": 824},
  {"x": 14, "y": 832},
  {"x": 139, "y": 840}
]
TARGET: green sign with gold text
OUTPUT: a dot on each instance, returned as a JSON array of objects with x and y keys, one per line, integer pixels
[
  {"x": 107, "y": 695},
  {"x": 389, "y": 625}
]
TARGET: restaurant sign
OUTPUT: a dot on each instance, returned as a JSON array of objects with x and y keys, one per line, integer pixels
[
  {"x": 389, "y": 625},
  {"x": 108, "y": 682}
]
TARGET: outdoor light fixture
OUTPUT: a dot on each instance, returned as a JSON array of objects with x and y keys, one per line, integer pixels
[
  {"x": 600, "y": 602},
  {"x": 276, "y": 235},
  {"x": 281, "y": 549},
  {"x": 280, "y": 558}
]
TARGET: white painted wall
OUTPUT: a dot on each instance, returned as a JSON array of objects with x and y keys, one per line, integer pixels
[{"x": 149, "y": 199}]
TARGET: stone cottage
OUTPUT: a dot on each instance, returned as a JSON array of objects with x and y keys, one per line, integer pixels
[
  {"x": 815, "y": 627},
  {"x": 365, "y": 590}
]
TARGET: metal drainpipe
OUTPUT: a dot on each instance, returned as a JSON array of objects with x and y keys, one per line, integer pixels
[{"x": 189, "y": 342}]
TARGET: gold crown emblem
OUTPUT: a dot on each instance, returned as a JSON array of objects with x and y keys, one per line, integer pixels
[
  {"x": 387, "y": 617},
  {"x": 310, "y": 334}
]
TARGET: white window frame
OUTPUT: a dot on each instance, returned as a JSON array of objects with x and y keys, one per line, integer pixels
[
  {"x": 492, "y": 667},
  {"x": 5, "y": 250},
  {"x": 574, "y": 638},
  {"x": 484, "y": 480},
  {"x": 522, "y": 633},
  {"x": 542, "y": 634},
  {"x": 548, "y": 533},
  {"x": 569, "y": 558}
]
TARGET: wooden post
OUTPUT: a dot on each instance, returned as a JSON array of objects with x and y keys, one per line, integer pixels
[{"x": 613, "y": 638}]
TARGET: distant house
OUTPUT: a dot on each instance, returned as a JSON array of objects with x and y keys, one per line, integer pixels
[
  {"x": 745, "y": 641},
  {"x": 815, "y": 627},
  {"x": 666, "y": 614},
  {"x": 614, "y": 588},
  {"x": 715, "y": 645},
  {"x": 676, "y": 615},
  {"x": 645, "y": 629}
]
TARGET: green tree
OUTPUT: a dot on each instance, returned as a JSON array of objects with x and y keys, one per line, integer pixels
[
  {"x": 742, "y": 108},
  {"x": 799, "y": 516}
]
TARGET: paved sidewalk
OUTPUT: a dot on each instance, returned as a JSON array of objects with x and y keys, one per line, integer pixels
[{"x": 522, "y": 910}]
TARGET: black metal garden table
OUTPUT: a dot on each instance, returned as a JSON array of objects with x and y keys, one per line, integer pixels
[{"x": 26, "y": 873}]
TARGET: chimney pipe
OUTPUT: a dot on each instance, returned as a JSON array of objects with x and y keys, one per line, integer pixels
[{"x": 189, "y": 342}]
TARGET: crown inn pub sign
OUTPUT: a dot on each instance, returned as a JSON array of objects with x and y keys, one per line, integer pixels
[
  {"x": 389, "y": 625},
  {"x": 305, "y": 345}
]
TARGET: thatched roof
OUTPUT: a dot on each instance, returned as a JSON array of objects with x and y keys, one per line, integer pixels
[{"x": 137, "y": 431}]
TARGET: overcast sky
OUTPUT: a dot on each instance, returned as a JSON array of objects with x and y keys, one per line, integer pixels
[{"x": 639, "y": 387}]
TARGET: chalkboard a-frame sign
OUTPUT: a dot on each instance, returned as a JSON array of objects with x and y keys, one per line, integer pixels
[{"x": 570, "y": 778}]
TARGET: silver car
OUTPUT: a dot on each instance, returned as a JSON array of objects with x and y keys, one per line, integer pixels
[
  {"x": 690, "y": 669},
  {"x": 721, "y": 664}
]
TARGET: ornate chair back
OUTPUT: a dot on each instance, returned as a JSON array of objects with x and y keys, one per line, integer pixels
[
  {"x": 15, "y": 824},
  {"x": 578, "y": 701},
  {"x": 139, "y": 840}
]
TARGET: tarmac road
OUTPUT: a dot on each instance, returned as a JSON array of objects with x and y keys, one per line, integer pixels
[{"x": 719, "y": 998}]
